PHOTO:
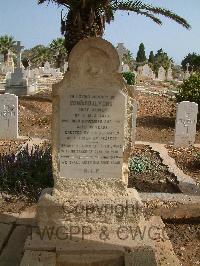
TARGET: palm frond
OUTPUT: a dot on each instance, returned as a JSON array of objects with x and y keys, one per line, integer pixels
[{"x": 139, "y": 7}]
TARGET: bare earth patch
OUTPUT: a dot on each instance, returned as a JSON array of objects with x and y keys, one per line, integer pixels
[
  {"x": 156, "y": 119},
  {"x": 188, "y": 160},
  {"x": 10, "y": 146},
  {"x": 185, "y": 239},
  {"x": 13, "y": 204},
  {"x": 35, "y": 118}
]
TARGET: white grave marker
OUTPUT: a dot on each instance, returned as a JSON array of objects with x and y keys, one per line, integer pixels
[
  {"x": 8, "y": 116},
  {"x": 186, "y": 120},
  {"x": 161, "y": 74}
]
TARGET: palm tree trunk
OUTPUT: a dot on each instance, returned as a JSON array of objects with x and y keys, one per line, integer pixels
[{"x": 84, "y": 28}]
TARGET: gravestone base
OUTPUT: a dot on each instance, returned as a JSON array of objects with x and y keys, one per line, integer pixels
[
  {"x": 90, "y": 203},
  {"x": 21, "y": 90},
  {"x": 127, "y": 248},
  {"x": 17, "y": 90}
]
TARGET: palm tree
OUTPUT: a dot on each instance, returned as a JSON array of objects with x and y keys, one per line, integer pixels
[
  {"x": 58, "y": 51},
  {"x": 87, "y": 18},
  {"x": 6, "y": 44},
  {"x": 38, "y": 55}
]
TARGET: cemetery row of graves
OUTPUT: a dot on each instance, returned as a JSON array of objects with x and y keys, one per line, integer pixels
[{"x": 165, "y": 139}]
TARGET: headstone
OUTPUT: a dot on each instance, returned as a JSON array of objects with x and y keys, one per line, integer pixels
[
  {"x": 18, "y": 83},
  {"x": 90, "y": 213},
  {"x": 47, "y": 68},
  {"x": 8, "y": 116},
  {"x": 146, "y": 70},
  {"x": 125, "y": 68},
  {"x": 134, "y": 120},
  {"x": 187, "y": 66},
  {"x": 161, "y": 74},
  {"x": 169, "y": 74},
  {"x": 65, "y": 67},
  {"x": 121, "y": 50},
  {"x": 187, "y": 75},
  {"x": 186, "y": 120},
  {"x": 88, "y": 139}
]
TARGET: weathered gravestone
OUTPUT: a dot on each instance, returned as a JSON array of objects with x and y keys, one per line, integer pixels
[
  {"x": 88, "y": 137},
  {"x": 169, "y": 74},
  {"x": 186, "y": 120},
  {"x": 161, "y": 74},
  {"x": 8, "y": 116},
  {"x": 91, "y": 217},
  {"x": 121, "y": 50}
]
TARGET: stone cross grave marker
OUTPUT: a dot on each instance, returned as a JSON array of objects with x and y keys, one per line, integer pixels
[
  {"x": 186, "y": 120},
  {"x": 187, "y": 66},
  {"x": 8, "y": 116},
  {"x": 18, "y": 49}
]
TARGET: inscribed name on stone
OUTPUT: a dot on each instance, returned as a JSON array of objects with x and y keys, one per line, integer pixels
[
  {"x": 91, "y": 114},
  {"x": 8, "y": 116},
  {"x": 186, "y": 121}
]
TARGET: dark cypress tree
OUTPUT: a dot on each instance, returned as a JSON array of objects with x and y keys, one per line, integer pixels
[
  {"x": 151, "y": 58},
  {"x": 141, "y": 56}
]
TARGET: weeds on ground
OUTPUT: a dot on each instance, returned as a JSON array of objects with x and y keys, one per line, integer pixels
[{"x": 27, "y": 173}]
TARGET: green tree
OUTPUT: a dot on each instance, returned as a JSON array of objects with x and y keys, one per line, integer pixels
[
  {"x": 141, "y": 56},
  {"x": 6, "y": 43},
  {"x": 87, "y": 18},
  {"x": 193, "y": 60},
  {"x": 129, "y": 60},
  {"x": 58, "y": 51},
  {"x": 190, "y": 90},
  {"x": 38, "y": 55},
  {"x": 161, "y": 59},
  {"x": 151, "y": 59}
]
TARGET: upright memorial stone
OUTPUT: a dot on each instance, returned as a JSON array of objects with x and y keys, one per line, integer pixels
[
  {"x": 8, "y": 116},
  {"x": 121, "y": 52},
  {"x": 169, "y": 74},
  {"x": 88, "y": 139},
  {"x": 161, "y": 74},
  {"x": 90, "y": 211},
  {"x": 18, "y": 83},
  {"x": 186, "y": 120}
]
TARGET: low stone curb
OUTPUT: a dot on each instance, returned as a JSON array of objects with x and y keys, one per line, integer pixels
[
  {"x": 172, "y": 206},
  {"x": 185, "y": 183}
]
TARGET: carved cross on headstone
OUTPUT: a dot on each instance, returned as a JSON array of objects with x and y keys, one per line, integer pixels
[
  {"x": 18, "y": 49},
  {"x": 121, "y": 52}
]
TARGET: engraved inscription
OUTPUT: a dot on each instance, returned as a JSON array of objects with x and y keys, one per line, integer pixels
[{"x": 92, "y": 130}]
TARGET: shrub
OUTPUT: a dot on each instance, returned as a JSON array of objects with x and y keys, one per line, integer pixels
[
  {"x": 26, "y": 174},
  {"x": 139, "y": 164},
  {"x": 130, "y": 77},
  {"x": 190, "y": 90}
]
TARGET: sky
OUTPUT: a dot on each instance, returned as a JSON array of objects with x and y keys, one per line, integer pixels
[{"x": 33, "y": 24}]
